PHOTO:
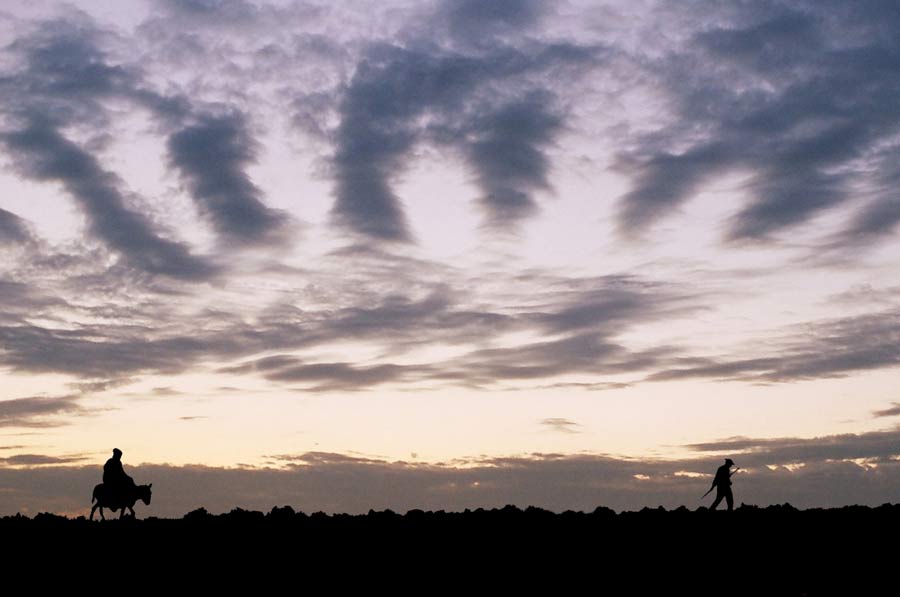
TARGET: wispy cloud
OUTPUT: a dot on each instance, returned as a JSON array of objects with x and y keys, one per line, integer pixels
[
  {"x": 831, "y": 348},
  {"x": 40, "y": 460},
  {"x": 892, "y": 411},
  {"x": 561, "y": 425},
  {"x": 37, "y": 411}
]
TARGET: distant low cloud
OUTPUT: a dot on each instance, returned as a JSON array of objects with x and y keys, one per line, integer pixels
[
  {"x": 345, "y": 483},
  {"x": 877, "y": 446}
]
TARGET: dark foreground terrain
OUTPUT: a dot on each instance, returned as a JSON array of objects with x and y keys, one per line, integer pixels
[{"x": 777, "y": 550}]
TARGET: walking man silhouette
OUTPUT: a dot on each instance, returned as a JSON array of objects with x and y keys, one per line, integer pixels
[{"x": 722, "y": 484}]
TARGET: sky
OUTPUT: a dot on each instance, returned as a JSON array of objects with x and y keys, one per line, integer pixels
[{"x": 449, "y": 254}]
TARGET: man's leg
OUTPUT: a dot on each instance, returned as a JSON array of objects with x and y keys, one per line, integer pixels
[
  {"x": 715, "y": 504},
  {"x": 729, "y": 499}
]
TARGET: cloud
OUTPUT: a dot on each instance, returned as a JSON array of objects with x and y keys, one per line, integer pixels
[
  {"x": 40, "y": 460},
  {"x": 479, "y": 82},
  {"x": 478, "y": 22},
  {"x": 664, "y": 180},
  {"x": 98, "y": 351},
  {"x": 796, "y": 98},
  {"x": 608, "y": 303},
  {"x": 877, "y": 219},
  {"x": 341, "y": 376},
  {"x": 892, "y": 411},
  {"x": 493, "y": 102},
  {"x": 326, "y": 377},
  {"x": 62, "y": 72},
  {"x": 212, "y": 155},
  {"x": 400, "y": 319},
  {"x": 484, "y": 368},
  {"x": 35, "y": 410},
  {"x": 213, "y": 11},
  {"x": 589, "y": 386},
  {"x": 880, "y": 446},
  {"x": 508, "y": 153},
  {"x": 428, "y": 325},
  {"x": 560, "y": 425},
  {"x": 61, "y": 82},
  {"x": 338, "y": 483},
  {"x": 585, "y": 353},
  {"x": 573, "y": 324},
  {"x": 822, "y": 349},
  {"x": 165, "y": 391},
  {"x": 389, "y": 90},
  {"x": 91, "y": 387},
  {"x": 13, "y": 229}
]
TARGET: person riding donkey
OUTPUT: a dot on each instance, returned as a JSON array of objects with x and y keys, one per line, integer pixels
[
  {"x": 118, "y": 491},
  {"x": 114, "y": 477}
]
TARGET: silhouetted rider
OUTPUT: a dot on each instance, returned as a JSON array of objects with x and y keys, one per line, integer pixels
[
  {"x": 114, "y": 476},
  {"x": 722, "y": 483}
]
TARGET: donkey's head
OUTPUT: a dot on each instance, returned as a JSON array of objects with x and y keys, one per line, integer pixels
[{"x": 144, "y": 493}]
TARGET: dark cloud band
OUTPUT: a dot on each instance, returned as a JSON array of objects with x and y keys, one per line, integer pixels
[{"x": 212, "y": 155}]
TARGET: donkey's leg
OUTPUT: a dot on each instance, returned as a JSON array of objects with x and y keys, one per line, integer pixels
[{"x": 93, "y": 509}]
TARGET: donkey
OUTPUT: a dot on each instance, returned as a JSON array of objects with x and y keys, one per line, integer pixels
[{"x": 125, "y": 498}]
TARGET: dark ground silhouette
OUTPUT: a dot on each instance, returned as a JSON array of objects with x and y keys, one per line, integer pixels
[{"x": 777, "y": 550}]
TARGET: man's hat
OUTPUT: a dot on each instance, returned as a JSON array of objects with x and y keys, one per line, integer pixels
[
  {"x": 117, "y": 451},
  {"x": 729, "y": 461}
]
